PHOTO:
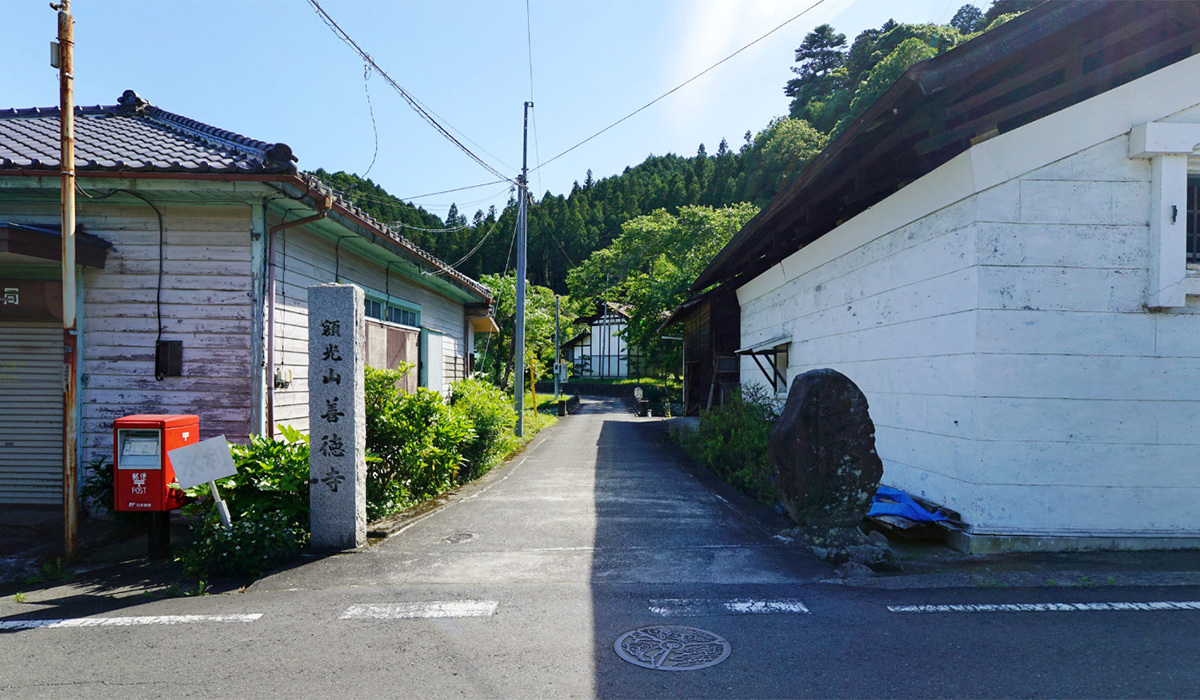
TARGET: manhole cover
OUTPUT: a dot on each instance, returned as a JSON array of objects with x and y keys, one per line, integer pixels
[
  {"x": 672, "y": 648},
  {"x": 460, "y": 537}
]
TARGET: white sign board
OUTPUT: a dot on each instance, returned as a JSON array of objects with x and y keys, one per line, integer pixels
[{"x": 202, "y": 462}]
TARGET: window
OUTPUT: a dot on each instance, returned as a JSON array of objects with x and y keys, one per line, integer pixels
[
  {"x": 1174, "y": 244},
  {"x": 1193, "y": 220},
  {"x": 405, "y": 317},
  {"x": 392, "y": 313}
]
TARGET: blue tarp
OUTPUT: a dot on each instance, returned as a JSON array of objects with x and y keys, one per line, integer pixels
[{"x": 890, "y": 501}]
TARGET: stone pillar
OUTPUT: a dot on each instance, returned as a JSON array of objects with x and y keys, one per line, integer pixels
[{"x": 337, "y": 416}]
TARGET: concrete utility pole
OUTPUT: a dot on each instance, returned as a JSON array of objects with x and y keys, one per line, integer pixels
[
  {"x": 519, "y": 339},
  {"x": 66, "y": 112}
]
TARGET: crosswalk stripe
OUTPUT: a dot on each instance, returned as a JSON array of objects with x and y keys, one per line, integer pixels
[
  {"x": 699, "y": 607},
  {"x": 438, "y": 608},
  {"x": 123, "y": 621},
  {"x": 1047, "y": 607}
]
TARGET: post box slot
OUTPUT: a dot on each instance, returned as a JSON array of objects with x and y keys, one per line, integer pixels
[{"x": 139, "y": 449}]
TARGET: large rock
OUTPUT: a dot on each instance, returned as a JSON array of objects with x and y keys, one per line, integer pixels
[{"x": 823, "y": 451}]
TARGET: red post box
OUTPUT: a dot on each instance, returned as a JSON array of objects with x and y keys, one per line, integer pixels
[{"x": 145, "y": 480}]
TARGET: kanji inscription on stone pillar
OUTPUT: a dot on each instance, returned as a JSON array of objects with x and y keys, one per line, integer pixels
[{"x": 337, "y": 417}]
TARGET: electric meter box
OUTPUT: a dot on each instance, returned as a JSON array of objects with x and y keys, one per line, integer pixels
[{"x": 143, "y": 477}]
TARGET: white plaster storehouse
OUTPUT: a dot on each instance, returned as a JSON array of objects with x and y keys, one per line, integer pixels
[
  {"x": 206, "y": 241},
  {"x": 601, "y": 351},
  {"x": 1004, "y": 254}
]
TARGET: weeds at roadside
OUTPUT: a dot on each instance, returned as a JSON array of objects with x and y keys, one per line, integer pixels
[
  {"x": 176, "y": 591},
  {"x": 56, "y": 570},
  {"x": 19, "y": 598}
]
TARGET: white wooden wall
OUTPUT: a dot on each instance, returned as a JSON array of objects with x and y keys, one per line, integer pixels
[
  {"x": 303, "y": 259},
  {"x": 205, "y": 303}
]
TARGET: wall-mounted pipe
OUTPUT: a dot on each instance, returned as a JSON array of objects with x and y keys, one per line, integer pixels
[{"x": 323, "y": 207}]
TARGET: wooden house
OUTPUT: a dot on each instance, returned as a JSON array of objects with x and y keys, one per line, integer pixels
[
  {"x": 1003, "y": 252},
  {"x": 710, "y": 326},
  {"x": 195, "y": 250}
]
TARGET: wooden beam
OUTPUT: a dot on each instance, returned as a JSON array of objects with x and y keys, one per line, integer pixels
[{"x": 1090, "y": 81}]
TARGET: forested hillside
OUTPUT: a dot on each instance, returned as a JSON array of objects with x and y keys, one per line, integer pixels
[{"x": 835, "y": 80}]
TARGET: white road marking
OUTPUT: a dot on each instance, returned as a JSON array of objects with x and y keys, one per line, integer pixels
[
  {"x": 124, "y": 621},
  {"x": 699, "y": 607},
  {"x": 438, "y": 608},
  {"x": 1047, "y": 607}
]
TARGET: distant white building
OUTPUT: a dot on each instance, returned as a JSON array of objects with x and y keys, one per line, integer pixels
[
  {"x": 1004, "y": 254},
  {"x": 601, "y": 351}
]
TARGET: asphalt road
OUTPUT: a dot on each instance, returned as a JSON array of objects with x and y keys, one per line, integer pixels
[{"x": 521, "y": 587}]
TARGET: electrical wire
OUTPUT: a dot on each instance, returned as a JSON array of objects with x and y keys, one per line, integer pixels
[
  {"x": 371, "y": 110},
  {"x": 554, "y": 238},
  {"x": 460, "y": 189},
  {"x": 412, "y": 101},
  {"x": 162, "y": 242},
  {"x": 529, "y": 43},
  {"x": 507, "y": 258},
  {"x": 681, "y": 85},
  {"x": 463, "y": 259},
  {"x": 401, "y": 224}
]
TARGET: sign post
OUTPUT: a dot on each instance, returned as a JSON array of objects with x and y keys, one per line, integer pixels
[{"x": 207, "y": 460}]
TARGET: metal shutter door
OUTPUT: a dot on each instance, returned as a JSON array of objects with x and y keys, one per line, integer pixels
[{"x": 31, "y": 405}]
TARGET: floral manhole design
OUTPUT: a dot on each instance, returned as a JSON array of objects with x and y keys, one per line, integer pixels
[
  {"x": 460, "y": 537},
  {"x": 672, "y": 648}
]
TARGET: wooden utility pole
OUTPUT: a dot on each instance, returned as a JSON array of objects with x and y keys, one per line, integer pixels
[{"x": 66, "y": 112}]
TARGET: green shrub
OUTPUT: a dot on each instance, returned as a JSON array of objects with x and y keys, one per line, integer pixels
[
  {"x": 272, "y": 477},
  {"x": 268, "y": 504},
  {"x": 491, "y": 412},
  {"x": 256, "y": 543},
  {"x": 415, "y": 442},
  {"x": 732, "y": 441}
]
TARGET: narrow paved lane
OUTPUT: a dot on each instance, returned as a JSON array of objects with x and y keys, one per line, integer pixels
[{"x": 597, "y": 500}]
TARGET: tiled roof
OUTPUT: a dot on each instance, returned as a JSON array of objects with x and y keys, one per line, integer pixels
[{"x": 134, "y": 136}]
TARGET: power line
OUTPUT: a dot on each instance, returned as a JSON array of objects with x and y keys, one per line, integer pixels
[
  {"x": 529, "y": 42},
  {"x": 371, "y": 110},
  {"x": 681, "y": 85},
  {"x": 415, "y": 104},
  {"x": 458, "y": 189},
  {"x": 452, "y": 229},
  {"x": 474, "y": 250},
  {"x": 554, "y": 238}
]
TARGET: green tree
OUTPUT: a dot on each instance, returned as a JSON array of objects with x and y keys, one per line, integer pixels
[
  {"x": 968, "y": 19},
  {"x": 650, "y": 266},
  {"x": 495, "y": 351},
  {"x": 999, "y": 8},
  {"x": 821, "y": 72},
  {"x": 883, "y": 76}
]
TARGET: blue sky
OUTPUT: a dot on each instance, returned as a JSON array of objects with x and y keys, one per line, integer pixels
[{"x": 271, "y": 70}]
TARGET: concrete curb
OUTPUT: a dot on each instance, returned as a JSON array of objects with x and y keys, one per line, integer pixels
[{"x": 1025, "y": 579}]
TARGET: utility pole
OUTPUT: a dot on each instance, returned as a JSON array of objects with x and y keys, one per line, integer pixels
[
  {"x": 557, "y": 359},
  {"x": 519, "y": 340},
  {"x": 66, "y": 113}
]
